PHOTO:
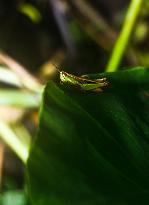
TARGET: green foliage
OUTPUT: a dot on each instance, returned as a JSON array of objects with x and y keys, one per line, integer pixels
[{"x": 93, "y": 149}]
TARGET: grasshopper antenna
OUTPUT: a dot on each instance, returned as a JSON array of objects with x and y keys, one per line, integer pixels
[{"x": 56, "y": 67}]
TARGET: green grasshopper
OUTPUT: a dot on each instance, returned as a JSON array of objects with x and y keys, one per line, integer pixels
[{"x": 83, "y": 83}]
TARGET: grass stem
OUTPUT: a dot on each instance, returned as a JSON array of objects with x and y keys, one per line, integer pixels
[{"x": 124, "y": 37}]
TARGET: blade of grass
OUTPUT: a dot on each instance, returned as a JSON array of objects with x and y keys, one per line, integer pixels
[
  {"x": 13, "y": 141},
  {"x": 124, "y": 37},
  {"x": 31, "y": 12},
  {"x": 29, "y": 81},
  {"x": 19, "y": 98},
  {"x": 9, "y": 77}
]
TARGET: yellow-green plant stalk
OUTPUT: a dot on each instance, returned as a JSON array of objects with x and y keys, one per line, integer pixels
[{"x": 124, "y": 37}]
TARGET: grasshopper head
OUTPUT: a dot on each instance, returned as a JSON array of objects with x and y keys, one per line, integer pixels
[{"x": 63, "y": 76}]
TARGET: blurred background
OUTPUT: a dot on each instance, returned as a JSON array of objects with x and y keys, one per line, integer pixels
[{"x": 77, "y": 35}]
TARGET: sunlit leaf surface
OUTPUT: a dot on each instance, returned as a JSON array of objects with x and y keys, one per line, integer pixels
[{"x": 93, "y": 148}]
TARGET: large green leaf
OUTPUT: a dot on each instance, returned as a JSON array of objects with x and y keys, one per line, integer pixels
[{"x": 93, "y": 149}]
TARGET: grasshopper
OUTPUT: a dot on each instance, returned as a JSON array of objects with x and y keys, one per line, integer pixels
[{"x": 82, "y": 83}]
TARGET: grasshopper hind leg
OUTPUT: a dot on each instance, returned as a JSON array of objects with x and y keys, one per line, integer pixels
[{"x": 103, "y": 82}]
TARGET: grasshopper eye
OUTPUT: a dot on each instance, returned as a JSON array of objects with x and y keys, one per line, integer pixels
[{"x": 62, "y": 76}]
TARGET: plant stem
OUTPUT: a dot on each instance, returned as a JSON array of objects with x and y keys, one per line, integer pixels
[
  {"x": 122, "y": 42},
  {"x": 1, "y": 161},
  {"x": 13, "y": 141}
]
